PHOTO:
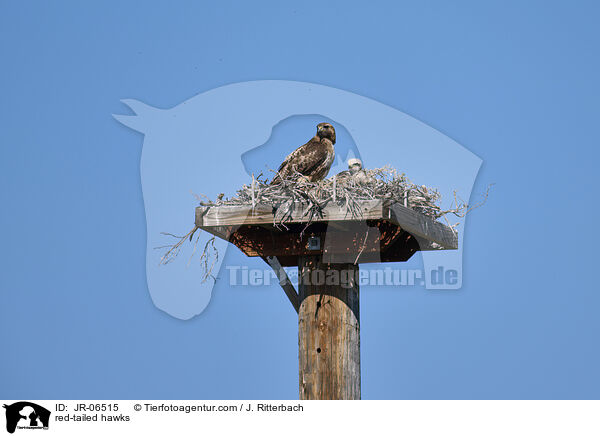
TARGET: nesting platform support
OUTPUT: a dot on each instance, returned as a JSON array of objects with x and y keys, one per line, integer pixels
[
  {"x": 328, "y": 331},
  {"x": 332, "y": 240}
]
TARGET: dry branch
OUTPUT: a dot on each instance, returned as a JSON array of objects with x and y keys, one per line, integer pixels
[{"x": 208, "y": 258}]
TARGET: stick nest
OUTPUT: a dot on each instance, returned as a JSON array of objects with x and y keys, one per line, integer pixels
[
  {"x": 374, "y": 184},
  {"x": 344, "y": 190}
]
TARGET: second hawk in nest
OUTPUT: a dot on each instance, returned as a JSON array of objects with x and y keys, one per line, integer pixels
[{"x": 311, "y": 160}]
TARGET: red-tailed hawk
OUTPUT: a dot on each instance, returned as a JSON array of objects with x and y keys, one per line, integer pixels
[
  {"x": 355, "y": 173},
  {"x": 311, "y": 160}
]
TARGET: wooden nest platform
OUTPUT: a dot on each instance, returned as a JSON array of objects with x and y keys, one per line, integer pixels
[
  {"x": 375, "y": 231},
  {"x": 326, "y": 240}
]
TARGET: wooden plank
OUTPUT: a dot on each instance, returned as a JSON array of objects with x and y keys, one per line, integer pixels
[
  {"x": 423, "y": 227},
  {"x": 432, "y": 235},
  {"x": 200, "y": 212},
  {"x": 244, "y": 215}
]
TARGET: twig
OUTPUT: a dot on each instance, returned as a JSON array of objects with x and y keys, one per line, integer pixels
[
  {"x": 364, "y": 244},
  {"x": 174, "y": 250}
]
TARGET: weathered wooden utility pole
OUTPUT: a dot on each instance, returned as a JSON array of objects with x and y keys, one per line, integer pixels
[
  {"x": 327, "y": 250},
  {"x": 328, "y": 331}
]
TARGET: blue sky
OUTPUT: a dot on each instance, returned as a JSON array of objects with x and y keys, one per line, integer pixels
[{"x": 514, "y": 83}]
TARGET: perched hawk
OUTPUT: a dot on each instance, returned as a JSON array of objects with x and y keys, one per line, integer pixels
[{"x": 312, "y": 160}]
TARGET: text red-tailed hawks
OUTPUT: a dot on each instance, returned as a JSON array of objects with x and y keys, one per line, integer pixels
[{"x": 311, "y": 160}]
